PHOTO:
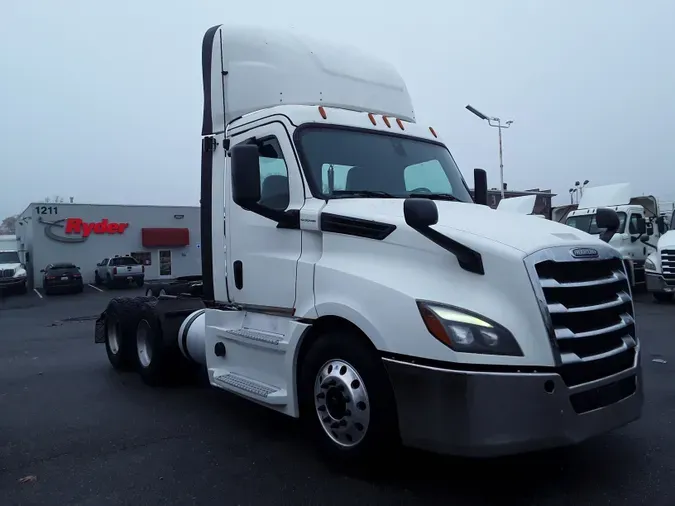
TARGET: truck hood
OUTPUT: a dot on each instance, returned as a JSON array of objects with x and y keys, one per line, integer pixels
[
  {"x": 667, "y": 241},
  {"x": 521, "y": 232},
  {"x": 9, "y": 266}
]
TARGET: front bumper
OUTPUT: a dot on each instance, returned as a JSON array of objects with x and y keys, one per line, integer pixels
[
  {"x": 72, "y": 284},
  {"x": 11, "y": 282},
  {"x": 656, "y": 283},
  {"x": 489, "y": 414}
]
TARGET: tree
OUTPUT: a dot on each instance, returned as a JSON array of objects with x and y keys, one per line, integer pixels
[{"x": 8, "y": 225}]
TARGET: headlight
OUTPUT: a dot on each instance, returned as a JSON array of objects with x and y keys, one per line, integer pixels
[
  {"x": 649, "y": 265},
  {"x": 466, "y": 332},
  {"x": 20, "y": 273}
]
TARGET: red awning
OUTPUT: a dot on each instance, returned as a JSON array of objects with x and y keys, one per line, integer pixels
[{"x": 165, "y": 237}]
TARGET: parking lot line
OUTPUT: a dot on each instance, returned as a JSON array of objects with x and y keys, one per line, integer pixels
[
  {"x": 95, "y": 287},
  {"x": 38, "y": 292}
]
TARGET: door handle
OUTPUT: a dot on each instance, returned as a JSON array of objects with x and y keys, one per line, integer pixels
[{"x": 238, "y": 268}]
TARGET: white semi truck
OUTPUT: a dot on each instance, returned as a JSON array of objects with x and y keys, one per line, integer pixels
[
  {"x": 660, "y": 266},
  {"x": 640, "y": 224},
  {"x": 13, "y": 274},
  {"x": 363, "y": 290}
]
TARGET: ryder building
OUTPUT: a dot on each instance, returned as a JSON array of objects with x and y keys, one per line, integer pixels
[{"x": 165, "y": 239}]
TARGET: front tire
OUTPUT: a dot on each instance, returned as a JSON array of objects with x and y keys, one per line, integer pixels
[
  {"x": 662, "y": 296},
  {"x": 346, "y": 400}
]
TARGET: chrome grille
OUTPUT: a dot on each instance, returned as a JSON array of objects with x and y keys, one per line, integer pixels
[
  {"x": 668, "y": 265},
  {"x": 6, "y": 273},
  {"x": 588, "y": 308}
]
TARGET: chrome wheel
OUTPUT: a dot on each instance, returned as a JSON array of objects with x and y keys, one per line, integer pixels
[
  {"x": 112, "y": 335},
  {"x": 342, "y": 403},
  {"x": 143, "y": 344},
  {"x": 162, "y": 291},
  {"x": 148, "y": 292}
]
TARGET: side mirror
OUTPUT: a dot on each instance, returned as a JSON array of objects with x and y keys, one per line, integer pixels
[
  {"x": 480, "y": 187},
  {"x": 661, "y": 225},
  {"x": 42, "y": 270},
  {"x": 245, "y": 167},
  {"x": 607, "y": 219},
  {"x": 420, "y": 213},
  {"x": 640, "y": 226}
]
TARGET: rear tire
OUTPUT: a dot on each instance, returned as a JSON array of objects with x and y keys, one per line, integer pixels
[
  {"x": 157, "y": 363},
  {"x": 121, "y": 316},
  {"x": 662, "y": 297},
  {"x": 355, "y": 429},
  {"x": 117, "y": 345}
]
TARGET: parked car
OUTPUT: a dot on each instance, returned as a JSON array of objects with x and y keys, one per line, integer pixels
[
  {"x": 119, "y": 270},
  {"x": 183, "y": 285},
  {"x": 61, "y": 277}
]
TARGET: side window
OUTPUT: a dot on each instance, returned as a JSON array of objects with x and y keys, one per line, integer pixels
[
  {"x": 104, "y": 262},
  {"x": 274, "y": 189},
  {"x": 428, "y": 176}
]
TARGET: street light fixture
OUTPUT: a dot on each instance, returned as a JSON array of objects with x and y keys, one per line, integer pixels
[{"x": 497, "y": 123}]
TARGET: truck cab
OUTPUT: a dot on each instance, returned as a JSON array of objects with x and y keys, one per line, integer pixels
[
  {"x": 359, "y": 287},
  {"x": 660, "y": 266},
  {"x": 640, "y": 224}
]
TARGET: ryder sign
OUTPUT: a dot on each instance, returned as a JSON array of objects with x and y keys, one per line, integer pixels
[
  {"x": 74, "y": 230},
  {"x": 85, "y": 229}
]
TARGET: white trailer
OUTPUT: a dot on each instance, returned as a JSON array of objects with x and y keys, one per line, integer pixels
[
  {"x": 639, "y": 229},
  {"x": 363, "y": 290}
]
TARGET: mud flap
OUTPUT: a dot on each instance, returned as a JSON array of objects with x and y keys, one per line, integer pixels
[{"x": 99, "y": 329}]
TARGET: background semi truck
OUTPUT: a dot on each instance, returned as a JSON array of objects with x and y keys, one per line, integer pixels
[
  {"x": 660, "y": 266},
  {"x": 363, "y": 290},
  {"x": 640, "y": 223}
]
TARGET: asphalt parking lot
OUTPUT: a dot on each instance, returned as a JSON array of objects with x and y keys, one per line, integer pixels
[{"x": 75, "y": 432}]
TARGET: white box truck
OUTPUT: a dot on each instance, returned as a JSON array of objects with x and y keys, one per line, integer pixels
[{"x": 363, "y": 290}]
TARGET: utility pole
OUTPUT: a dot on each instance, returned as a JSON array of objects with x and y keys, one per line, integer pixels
[{"x": 495, "y": 123}]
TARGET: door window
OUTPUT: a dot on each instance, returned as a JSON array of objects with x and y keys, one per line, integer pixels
[
  {"x": 165, "y": 263},
  {"x": 274, "y": 189},
  {"x": 632, "y": 225}
]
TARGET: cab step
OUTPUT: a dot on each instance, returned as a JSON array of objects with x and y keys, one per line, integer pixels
[{"x": 268, "y": 394}]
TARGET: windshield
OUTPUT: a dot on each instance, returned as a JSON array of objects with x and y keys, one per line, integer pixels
[
  {"x": 124, "y": 261},
  {"x": 62, "y": 266},
  {"x": 361, "y": 163},
  {"x": 587, "y": 223},
  {"x": 9, "y": 257}
]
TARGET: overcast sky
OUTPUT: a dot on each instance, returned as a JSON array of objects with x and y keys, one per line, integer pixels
[{"x": 102, "y": 100}]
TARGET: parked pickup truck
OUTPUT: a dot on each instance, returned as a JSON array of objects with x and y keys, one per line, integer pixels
[{"x": 119, "y": 270}]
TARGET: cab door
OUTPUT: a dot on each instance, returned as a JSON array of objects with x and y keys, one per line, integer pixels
[{"x": 262, "y": 258}]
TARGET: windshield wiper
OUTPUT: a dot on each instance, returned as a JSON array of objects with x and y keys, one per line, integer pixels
[
  {"x": 435, "y": 196},
  {"x": 362, "y": 193}
]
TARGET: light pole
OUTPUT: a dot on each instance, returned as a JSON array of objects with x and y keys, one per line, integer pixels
[
  {"x": 572, "y": 192},
  {"x": 497, "y": 123}
]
